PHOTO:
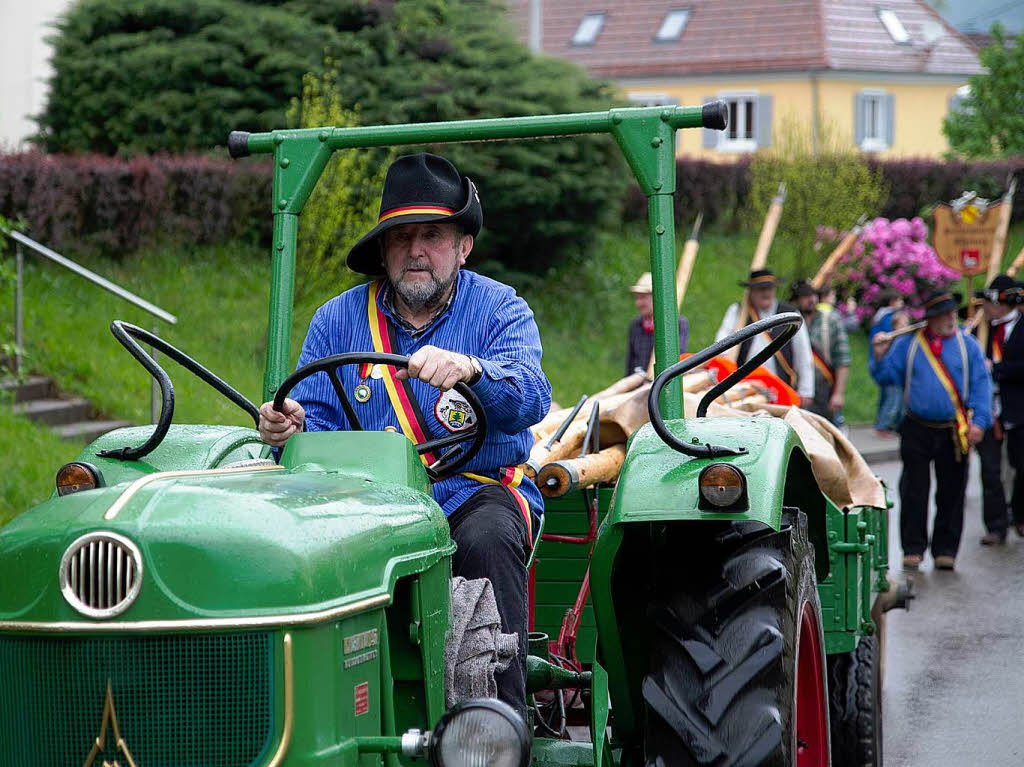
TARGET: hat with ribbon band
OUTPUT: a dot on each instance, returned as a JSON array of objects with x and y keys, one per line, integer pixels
[
  {"x": 418, "y": 188},
  {"x": 1002, "y": 289},
  {"x": 762, "y": 278},
  {"x": 939, "y": 302}
]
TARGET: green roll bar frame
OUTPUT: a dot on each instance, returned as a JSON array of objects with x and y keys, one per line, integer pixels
[{"x": 645, "y": 135}]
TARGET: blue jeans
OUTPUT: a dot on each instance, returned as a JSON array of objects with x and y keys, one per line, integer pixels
[{"x": 890, "y": 408}]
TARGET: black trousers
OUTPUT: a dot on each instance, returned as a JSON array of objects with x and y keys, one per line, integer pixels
[
  {"x": 920, "y": 447},
  {"x": 1015, "y": 452},
  {"x": 492, "y": 543},
  {"x": 993, "y": 494}
]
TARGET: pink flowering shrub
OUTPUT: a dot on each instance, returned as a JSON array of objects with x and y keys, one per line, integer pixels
[{"x": 892, "y": 254}]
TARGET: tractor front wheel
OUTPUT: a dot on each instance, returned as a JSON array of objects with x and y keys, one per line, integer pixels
[{"x": 737, "y": 656}]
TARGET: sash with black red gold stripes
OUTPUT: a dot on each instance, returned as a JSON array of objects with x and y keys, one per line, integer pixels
[
  {"x": 410, "y": 416},
  {"x": 962, "y": 419},
  {"x": 823, "y": 367},
  {"x": 787, "y": 373}
]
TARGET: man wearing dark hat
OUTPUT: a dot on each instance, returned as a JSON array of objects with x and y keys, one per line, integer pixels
[
  {"x": 793, "y": 363},
  {"x": 830, "y": 349},
  {"x": 1004, "y": 350},
  {"x": 949, "y": 405},
  {"x": 454, "y": 325}
]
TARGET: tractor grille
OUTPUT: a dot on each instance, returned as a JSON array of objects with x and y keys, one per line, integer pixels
[
  {"x": 100, "y": 574},
  {"x": 179, "y": 700}
]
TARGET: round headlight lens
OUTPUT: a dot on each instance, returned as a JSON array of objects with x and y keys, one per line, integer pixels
[
  {"x": 481, "y": 733},
  {"x": 721, "y": 484}
]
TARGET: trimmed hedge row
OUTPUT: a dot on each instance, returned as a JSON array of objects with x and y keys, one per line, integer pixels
[
  {"x": 91, "y": 203},
  {"x": 97, "y": 203},
  {"x": 721, "y": 189}
]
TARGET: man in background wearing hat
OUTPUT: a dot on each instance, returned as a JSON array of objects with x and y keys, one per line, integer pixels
[
  {"x": 454, "y": 325},
  {"x": 949, "y": 405},
  {"x": 793, "y": 363},
  {"x": 640, "y": 343},
  {"x": 830, "y": 349},
  {"x": 1004, "y": 353}
]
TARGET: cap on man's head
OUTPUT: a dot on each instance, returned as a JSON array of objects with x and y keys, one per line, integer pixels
[
  {"x": 418, "y": 188},
  {"x": 939, "y": 302},
  {"x": 762, "y": 278},
  {"x": 643, "y": 285},
  {"x": 802, "y": 288},
  {"x": 999, "y": 289}
]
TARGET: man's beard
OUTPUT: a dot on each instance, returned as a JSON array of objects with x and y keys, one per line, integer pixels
[{"x": 423, "y": 295}]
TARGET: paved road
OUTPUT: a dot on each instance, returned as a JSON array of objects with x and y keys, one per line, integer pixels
[{"x": 954, "y": 687}]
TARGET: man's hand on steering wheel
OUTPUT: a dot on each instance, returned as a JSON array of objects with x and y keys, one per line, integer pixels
[
  {"x": 275, "y": 428},
  {"x": 440, "y": 368}
]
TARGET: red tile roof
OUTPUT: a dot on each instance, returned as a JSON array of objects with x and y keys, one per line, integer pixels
[{"x": 725, "y": 36}]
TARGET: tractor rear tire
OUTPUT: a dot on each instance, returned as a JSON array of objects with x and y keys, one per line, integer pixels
[
  {"x": 855, "y": 705},
  {"x": 736, "y": 643}
]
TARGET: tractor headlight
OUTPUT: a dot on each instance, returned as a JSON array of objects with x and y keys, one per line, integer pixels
[
  {"x": 723, "y": 488},
  {"x": 481, "y": 732},
  {"x": 76, "y": 476}
]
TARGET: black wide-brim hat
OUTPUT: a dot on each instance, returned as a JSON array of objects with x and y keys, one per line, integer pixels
[
  {"x": 1000, "y": 284},
  {"x": 418, "y": 188},
  {"x": 762, "y": 278},
  {"x": 802, "y": 288},
  {"x": 940, "y": 302}
]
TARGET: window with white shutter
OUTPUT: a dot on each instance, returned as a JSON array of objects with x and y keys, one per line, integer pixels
[
  {"x": 750, "y": 123},
  {"x": 874, "y": 118}
]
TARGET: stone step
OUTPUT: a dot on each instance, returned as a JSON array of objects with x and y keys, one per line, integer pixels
[
  {"x": 54, "y": 412},
  {"x": 33, "y": 387},
  {"x": 87, "y": 431}
]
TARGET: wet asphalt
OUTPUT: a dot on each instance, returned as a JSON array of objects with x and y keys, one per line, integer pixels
[{"x": 954, "y": 668}]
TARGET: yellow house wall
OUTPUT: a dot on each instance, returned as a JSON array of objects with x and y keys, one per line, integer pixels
[{"x": 919, "y": 109}]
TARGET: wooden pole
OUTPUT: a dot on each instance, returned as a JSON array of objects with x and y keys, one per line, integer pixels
[
  {"x": 561, "y": 477},
  {"x": 841, "y": 250},
  {"x": 1018, "y": 262},
  {"x": 683, "y": 274},
  {"x": 995, "y": 259},
  {"x": 764, "y": 243}
]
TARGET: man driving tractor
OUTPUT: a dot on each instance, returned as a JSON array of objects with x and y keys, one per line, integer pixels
[{"x": 454, "y": 325}]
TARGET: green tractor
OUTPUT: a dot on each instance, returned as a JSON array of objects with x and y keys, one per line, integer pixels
[{"x": 185, "y": 598}]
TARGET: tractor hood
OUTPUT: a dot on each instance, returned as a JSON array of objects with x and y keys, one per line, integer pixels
[{"x": 313, "y": 534}]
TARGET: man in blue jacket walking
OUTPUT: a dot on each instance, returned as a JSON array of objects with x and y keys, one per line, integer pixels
[{"x": 948, "y": 395}]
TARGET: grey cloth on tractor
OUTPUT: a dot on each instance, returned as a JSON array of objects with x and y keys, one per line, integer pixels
[{"x": 476, "y": 648}]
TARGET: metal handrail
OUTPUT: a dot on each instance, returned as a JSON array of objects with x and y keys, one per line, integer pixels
[{"x": 21, "y": 240}]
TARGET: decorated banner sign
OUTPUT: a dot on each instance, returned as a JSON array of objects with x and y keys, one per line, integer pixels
[{"x": 964, "y": 232}]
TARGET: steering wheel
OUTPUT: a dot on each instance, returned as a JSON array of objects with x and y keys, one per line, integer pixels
[
  {"x": 792, "y": 322},
  {"x": 449, "y": 461}
]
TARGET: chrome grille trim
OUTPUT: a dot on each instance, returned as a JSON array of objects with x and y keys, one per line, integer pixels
[{"x": 101, "y": 574}]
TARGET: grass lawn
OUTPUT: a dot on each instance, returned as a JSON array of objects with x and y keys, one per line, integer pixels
[{"x": 219, "y": 294}]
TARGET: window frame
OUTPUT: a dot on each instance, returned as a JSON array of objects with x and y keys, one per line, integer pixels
[
  {"x": 576, "y": 42},
  {"x": 660, "y": 38},
  {"x": 893, "y": 25},
  {"x": 879, "y": 142},
  {"x": 740, "y": 145}
]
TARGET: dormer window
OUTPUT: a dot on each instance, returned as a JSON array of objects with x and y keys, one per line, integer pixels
[
  {"x": 672, "y": 25},
  {"x": 589, "y": 29},
  {"x": 893, "y": 26}
]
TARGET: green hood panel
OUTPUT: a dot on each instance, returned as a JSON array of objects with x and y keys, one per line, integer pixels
[
  {"x": 260, "y": 542},
  {"x": 659, "y": 483}
]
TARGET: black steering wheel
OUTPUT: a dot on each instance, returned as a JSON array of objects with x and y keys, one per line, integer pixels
[
  {"x": 451, "y": 460},
  {"x": 792, "y": 322}
]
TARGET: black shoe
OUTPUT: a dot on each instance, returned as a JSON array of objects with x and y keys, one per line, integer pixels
[
  {"x": 945, "y": 562},
  {"x": 993, "y": 539}
]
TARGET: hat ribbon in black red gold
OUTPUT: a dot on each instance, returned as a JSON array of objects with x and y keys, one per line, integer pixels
[{"x": 415, "y": 210}]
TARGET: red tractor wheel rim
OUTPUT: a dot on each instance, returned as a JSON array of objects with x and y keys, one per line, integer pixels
[{"x": 811, "y": 717}]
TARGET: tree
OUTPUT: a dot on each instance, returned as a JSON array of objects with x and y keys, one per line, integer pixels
[
  {"x": 989, "y": 122},
  {"x": 156, "y": 75},
  {"x": 426, "y": 60},
  {"x": 172, "y": 75},
  {"x": 830, "y": 187}
]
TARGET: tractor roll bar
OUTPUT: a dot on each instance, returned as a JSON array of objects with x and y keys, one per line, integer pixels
[
  {"x": 645, "y": 135},
  {"x": 791, "y": 320},
  {"x": 126, "y": 333}
]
